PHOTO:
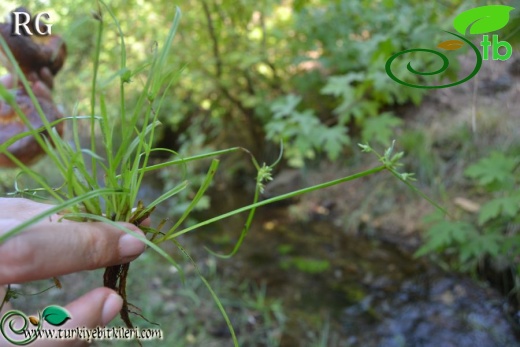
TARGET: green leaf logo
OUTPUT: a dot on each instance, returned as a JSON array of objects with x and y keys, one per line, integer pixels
[
  {"x": 55, "y": 315},
  {"x": 481, "y": 20}
]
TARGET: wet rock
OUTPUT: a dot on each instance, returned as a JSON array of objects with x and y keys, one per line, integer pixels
[
  {"x": 514, "y": 68},
  {"x": 496, "y": 85},
  {"x": 453, "y": 312}
]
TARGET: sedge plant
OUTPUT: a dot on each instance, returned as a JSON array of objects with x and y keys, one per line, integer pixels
[{"x": 103, "y": 184}]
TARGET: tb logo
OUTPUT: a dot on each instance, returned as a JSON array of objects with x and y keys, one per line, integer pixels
[
  {"x": 495, "y": 45},
  {"x": 22, "y": 20}
]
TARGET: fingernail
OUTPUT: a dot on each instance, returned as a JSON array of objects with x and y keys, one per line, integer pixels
[
  {"x": 130, "y": 247},
  {"x": 111, "y": 308}
]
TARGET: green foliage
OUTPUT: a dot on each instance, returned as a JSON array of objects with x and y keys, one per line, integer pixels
[
  {"x": 242, "y": 62},
  {"x": 487, "y": 232},
  {"x": 187, "y": 314},
  {"x": 380, "y": 128},
  {"x": 494, "y": 172},
  {"x": 304, "y": 131},
  {"x": 461, "y": 235},
  {"x": 506, "y": 207},
  {"x": 339, "y": 48}
]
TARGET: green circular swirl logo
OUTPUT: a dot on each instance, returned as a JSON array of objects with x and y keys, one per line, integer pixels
[
  {"x": 443, "y": 68},
  {"x": 16, "y": 323}
]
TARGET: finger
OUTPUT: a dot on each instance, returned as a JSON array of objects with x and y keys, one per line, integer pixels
[
  {"x": 96, "y": 308},
  {"x": 49, "y": 249},
  {"x": 21, "y": 209}
]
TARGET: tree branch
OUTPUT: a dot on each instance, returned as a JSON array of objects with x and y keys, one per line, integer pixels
[{"x": 213, "y": 36}]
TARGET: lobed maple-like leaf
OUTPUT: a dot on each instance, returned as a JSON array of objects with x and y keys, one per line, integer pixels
[{"x": 496, "y": 168}]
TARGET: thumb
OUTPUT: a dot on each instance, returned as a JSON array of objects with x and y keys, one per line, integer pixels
[{"x": 96, "y": 308}]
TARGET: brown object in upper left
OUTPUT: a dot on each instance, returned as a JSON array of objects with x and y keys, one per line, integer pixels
[{"x": 40, "y": 58}]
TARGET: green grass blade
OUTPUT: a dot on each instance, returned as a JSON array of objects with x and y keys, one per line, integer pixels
[
  {"x": 200, "y": 193},
  {"x": 163, "y": 198},
  {"x": 212, "y": 292},
  {"x": 278, "y": 198},
  {"x": 189, "y": 159},
  {"x": 244, "y": 232}
]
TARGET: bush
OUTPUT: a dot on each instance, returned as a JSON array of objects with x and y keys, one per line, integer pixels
[{"x": 492, "y": 232}]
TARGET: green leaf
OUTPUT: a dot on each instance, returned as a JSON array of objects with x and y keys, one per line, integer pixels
[
  {"x": 333, "y": 141},
  {"x": 481, "y": 20},
  {"x": 285, "y": 106},
  {"x": 380, "y": 128},
  {"x": 365, "y": 148},
  {"x": 55, "y": 315},
  {"x": 497, "y": 168},
  {"x": 307, "y": 122},
  {"x": 506, "y": 207},
  {"x": 480, "y": 245},
  {"x": 445, "y": 234},
  {"x": 341, "y": 85}
]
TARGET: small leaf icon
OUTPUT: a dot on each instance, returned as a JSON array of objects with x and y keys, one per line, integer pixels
[
  {"x": 451, "y": 45},
  {"x": 34, "y": 320},
  {"x": 483, "y": 19},
  {"x": 55, "y": 315}
]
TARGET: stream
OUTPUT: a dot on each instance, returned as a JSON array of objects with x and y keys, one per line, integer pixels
[{"x": 373, "y": 292}]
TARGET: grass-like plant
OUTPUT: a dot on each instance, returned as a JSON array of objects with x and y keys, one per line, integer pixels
[{"x": 104, "y": 185}]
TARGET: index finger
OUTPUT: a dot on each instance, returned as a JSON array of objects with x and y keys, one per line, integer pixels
[{"x": 49, "y": 249}]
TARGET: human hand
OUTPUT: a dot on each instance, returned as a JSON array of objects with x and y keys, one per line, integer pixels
[{"x": 50, "y": 248}]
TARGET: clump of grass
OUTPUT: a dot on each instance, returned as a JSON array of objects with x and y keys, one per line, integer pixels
[{"x": 104, "y": 185}]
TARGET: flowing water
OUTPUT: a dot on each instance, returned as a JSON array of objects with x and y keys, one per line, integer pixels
[{"x": 371, "y": 292}]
